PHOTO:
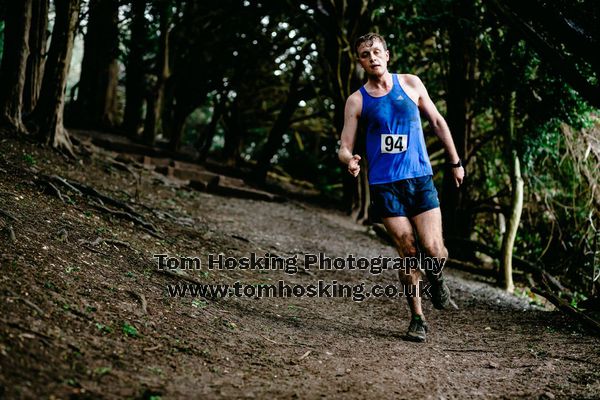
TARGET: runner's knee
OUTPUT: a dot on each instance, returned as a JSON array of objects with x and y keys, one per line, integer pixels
[
  {"x": 405, "y": 245},
  {"x": 406, "y": 250},
  {"x": 436, "y": 249}
]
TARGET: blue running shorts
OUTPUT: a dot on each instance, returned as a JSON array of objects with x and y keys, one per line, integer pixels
[{"x": 404, "y": 198}]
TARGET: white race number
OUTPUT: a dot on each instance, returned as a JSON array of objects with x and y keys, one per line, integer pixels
[{"x": 393, "y": 144}]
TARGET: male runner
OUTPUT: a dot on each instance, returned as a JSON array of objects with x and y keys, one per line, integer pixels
[{"x": 400, "y": 174}]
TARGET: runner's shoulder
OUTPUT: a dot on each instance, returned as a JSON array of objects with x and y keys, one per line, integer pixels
[
  {"x": 354, "y": 101},
  {"x": 411, "y": 80},
  {"x": 355, "y": 98}
]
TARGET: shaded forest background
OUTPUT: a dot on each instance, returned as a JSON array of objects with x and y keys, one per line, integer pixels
[{"x": 261, "y": 86}]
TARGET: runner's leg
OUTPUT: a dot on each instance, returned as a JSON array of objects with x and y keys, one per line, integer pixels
[
  {"x": 429, "y": 229},
  {"x": 402, "y": 233}
]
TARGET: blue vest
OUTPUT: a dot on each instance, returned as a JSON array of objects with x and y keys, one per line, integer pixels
[{"x": 395, "y": 143}]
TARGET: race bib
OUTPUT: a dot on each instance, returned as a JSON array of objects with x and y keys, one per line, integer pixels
[{"x": 393, "y": 144}]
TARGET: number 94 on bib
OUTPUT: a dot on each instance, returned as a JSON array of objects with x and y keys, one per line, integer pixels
[{"x": 393, "y": 144}]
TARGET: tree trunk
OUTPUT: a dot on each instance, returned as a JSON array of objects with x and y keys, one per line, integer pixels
[
  {"x": 340, "y": 23},
  {"x": 205, "y": 140},
  {"x": 48, "y": 113},
  {"x": 35, "y": 64},
  {"x": 516, "y": 205},
  {"x": 280, "y": 125},
  {"x": 134, "y": 80},
  {"x": 460, "y": 97},
  {"x": 175, "y": 127},
  {"x": 174, "y": 114},
  {"x": 156, "y": 97},
  {"x": 96, "y": 105},
  {"x": 234, "y": 131},
  {"x": 14, "y": 62}
]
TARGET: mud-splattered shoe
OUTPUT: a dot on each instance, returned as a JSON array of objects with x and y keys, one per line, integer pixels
[
  {"x": 417, "y": 330},
  {"x": 440, "y": 294}
]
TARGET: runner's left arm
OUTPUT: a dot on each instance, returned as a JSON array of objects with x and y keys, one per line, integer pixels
[{"x": 439, "y": 125}]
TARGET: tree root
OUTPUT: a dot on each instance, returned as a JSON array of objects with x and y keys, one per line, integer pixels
[
  {"x": 47, "y": 339},
  {"x": 142, "y": 299},
  {"x": 11, "y": 234},
  {"x": 82, "y": 189},
  {"x": 63, "y": 198},
  {"x": 91, "y": 245},
  {"x": 124, "y": 167},
  {"x": 27, "y": 302},
  {"x": 8, "y": 215},
  {"x": 90, "y": 191},
  {"x": 98, "y": 241},
  {"x": 565, "y": 307},
  {"x": 151, "y": 229},
  {"x": 99, "y": 200},
  {"x": 62, "y": 180},
  {"x": 62, "y": 142},
  {"x": 185, "y": 277},
  {"x": 9, "y": 228},
  {"x": 93, "y": 250}
]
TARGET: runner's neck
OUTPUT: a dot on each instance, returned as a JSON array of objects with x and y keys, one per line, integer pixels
[{"x": 382, "y": 84}]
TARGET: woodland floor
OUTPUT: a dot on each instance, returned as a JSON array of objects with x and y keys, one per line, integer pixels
[{"x": 70, "y": 311}]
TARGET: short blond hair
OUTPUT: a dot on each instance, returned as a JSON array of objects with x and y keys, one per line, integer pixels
[{"x": 368, "y": 39}]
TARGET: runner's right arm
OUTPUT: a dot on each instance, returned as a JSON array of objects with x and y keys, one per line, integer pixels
[{"x": 351, "y": 116}]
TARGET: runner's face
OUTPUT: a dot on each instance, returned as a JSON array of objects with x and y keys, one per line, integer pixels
[{"x": 373, "y": 58}]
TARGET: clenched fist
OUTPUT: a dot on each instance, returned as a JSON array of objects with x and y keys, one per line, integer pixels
[{"x": 353, "y": 166}]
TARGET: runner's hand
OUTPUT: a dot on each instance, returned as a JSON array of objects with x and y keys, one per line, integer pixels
[
  {"x": 459, "y": 175},
  {"x": 353, "y": 166}
]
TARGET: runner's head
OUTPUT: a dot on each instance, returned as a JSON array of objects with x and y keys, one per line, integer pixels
[{"x": 373, "y": 54}]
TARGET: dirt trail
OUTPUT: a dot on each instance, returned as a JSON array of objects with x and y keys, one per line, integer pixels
[{"x": 85, "y": 321}]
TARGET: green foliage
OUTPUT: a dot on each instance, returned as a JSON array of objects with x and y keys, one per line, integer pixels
[
  {"x": 130, "y": 330},
  {"x": 72, "y": 382},
  {"x": 103, "y": 328},
  {"x": 557, "y": 200},
  {"x": 100, "y": 371},
  {"x": 29, "y": 160},
  {"x": 199, "y": 303},
  {"x": 49, "y": 285},
  {"x": 577, "y": 298}
]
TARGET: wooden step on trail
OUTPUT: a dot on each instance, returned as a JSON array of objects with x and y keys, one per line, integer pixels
[
  {"x": 218, "y": 179},
  {"x": 246, "y": 193},
  {"x": 199, "y": 178},
  {"x": 153, "y": 162},
  {"x": 202, "y": 179}
]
